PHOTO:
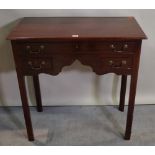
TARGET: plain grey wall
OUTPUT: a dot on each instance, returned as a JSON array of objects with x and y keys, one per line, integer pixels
[{"x": 77, "y": 85}]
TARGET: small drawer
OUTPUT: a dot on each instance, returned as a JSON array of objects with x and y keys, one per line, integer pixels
[
  {"x": 35, "y": 65},
  {"x": 122, "y": 47},
  {"x": 118, "y": 63}
]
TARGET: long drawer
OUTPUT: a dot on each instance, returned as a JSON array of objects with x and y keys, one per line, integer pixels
[{"x": 36, "y": 49}]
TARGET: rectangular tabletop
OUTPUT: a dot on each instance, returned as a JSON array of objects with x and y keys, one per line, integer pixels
[{"x": 77, "y": 27}]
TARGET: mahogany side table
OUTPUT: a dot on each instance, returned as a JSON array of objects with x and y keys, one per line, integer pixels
[{"x": 106, "y": 44}]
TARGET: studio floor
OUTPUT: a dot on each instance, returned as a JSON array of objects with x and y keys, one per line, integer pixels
[{"x": 78, "y": 125}]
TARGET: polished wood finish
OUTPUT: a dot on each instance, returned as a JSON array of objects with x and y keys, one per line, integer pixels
[
  {"x": 106, "y": 44},
  {"x": 122, "y": 92},
  {"x": 132, "y": 95},
  {"x": 85, "y": 27},
  {"x": 26, "y": 110},
  {"x": 37, "y": 93}
]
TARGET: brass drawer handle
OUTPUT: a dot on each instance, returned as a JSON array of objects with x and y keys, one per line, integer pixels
[
  {"x": 41, "y": 48},
  {"x": 122, "y": 63},
  {"x": 113, "y": 65},
  {"x": 124, "y": 48},
  {"x": 36, "y": 67}
]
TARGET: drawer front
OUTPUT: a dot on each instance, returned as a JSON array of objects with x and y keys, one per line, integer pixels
[
  {"x": 118, "y": 66},
  {"x": 45, "y": 49},
  {"x": 110, "y": 46},
  {"x": 124, "y": 63},
  {"x": 32, "y": 65},
  {"x": 101, "y": 64}
]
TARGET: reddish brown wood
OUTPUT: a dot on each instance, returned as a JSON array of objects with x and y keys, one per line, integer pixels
[
  {"x": 45, "y": 49},
  {"x": 37, "y": 93},
  {"x": 85, "y": 27},
  {"x": 26, "y": 110},
  {"x": 132, "y": 95},
  {"x": 107, "y": 45},
  {"x": 131, "y": 106},
  {"x": 122, "y": 92},
  {"x": 52, "y": 61}
]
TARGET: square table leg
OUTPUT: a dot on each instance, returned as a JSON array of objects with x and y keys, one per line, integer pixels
[
  {"x": 26, "y": 110},
  {"x": 122, "y": 92},
  {"x": 37, "y": 93},
  {"x": 133, "y": 85}
]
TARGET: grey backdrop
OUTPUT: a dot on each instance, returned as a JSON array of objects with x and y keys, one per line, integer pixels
[{"x": 77, "y": 84}]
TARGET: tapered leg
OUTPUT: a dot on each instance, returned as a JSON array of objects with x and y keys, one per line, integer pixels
[
  {"x": 133, "y": 85},
  {"x": 122, "y": 92},
  {"x": 37, "y": 93},
  {"x": 25, "y": 106}
]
